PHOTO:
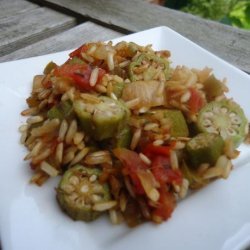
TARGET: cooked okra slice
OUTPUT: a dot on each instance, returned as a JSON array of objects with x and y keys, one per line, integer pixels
[
  {"x": 225, "y": 118},
  {"x": 195, "y": 181},
  {"x": 204, "y": 148},
  {"x": 60, "y": 111},
  {"x": 178, "y": 123},
  {"x": 123, "y": 138},
  {"x": 101, "y": 120},
  {"x": 80, "y": 190},
  {"x": 117, "y": 89},
  {"x": 49, "y": 67},
  {"x": 171, "y": 119},
  {"x": 149, "y": 72},
  {"x": 213, "y": 88}
]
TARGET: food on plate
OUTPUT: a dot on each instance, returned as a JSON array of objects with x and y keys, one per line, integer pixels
[
  {"x": 127, "y": 133},
  {"x": 81, "y": 195},
  {"x": 224, "y": 117}
]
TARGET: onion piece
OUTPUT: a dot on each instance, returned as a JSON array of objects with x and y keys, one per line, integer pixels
[{"x": 150, "y": 93}]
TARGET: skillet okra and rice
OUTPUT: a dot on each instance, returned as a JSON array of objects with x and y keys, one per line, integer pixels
[{"x": 128, "y": 134}]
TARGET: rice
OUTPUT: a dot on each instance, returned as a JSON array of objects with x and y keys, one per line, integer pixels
[
  {"x": 93, "y": 77},
  {"x": 104, "y": 206},
  {"x": 135, "y": 139},
  {"x": 71, "y": 132},
  {"x": 145, "y": 159},
  {"x": 30, "y": 111},
  {"x": 63, "y": 130},
  {"x": 79, "y": 156},
  {"x": 98, "y": 157},
  {"x": 59, "y": 152},
  {"x": 174, "y": 160},
  {"x": 132, "y": 103},
  {"x": 35, "y": 119},
  {"x": 158, "y": 142},
  {"x": 47, "y": 127},
  {"x": 110, "y": 61},
  {"x": 47, "y": 168},
  {"x": 90, "y": 98},
  {"x": 78, "y": 137},
  {"x": 42, "y": 156}
]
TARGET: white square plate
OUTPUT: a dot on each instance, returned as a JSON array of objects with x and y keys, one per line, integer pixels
[{"x": 216, "y": 217}]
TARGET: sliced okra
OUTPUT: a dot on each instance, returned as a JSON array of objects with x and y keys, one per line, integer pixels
[
  {"x": 101, "y": 120},
  {"x": 178, "y": 123},
  {"x": 117, "y": 89},
  {"x": 173, "y": 119},
  {"x": 204, "y": 148},
  {"x": 195, "y": 181},
  {"x": 62, "y": 110},
  {"x": 123, "y": 138},
  {"x": 213, "y": 87},
  {"x": 49, "y": 67},
  {"x": 150, "y": 72},
  {"x": 225, "y": 118},
  {"x": 80, "y": 190}
]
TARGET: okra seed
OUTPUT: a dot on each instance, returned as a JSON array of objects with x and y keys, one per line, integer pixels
[
  {"x": 208, "y": 115},
  {"x": 84, "y": 188},
  {"x": 236, "y": 120},
  {"x": 74, "y": 180},
  {"x": 207, "y": 122},
  {"x": 80, "y": 202},
  {"x": 73, "y": 196},
  {"x": 68, "y": 188},
  {"x": 211, "y": 129},
  {"x": 231, "y": 131},
  {"x": 92, "y": 178},
  {"x": 224, "y": 110}
]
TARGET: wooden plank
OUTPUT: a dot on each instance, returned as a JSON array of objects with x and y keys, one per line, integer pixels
[
  {"x": 14, "y": 7},
  {"x": 230, "y": 43},
  {"x": 69, "y": 39},
  {"x": 26, "y": 28}
]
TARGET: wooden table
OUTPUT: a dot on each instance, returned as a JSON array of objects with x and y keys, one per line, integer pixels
[{"x": 40, "y": 27}]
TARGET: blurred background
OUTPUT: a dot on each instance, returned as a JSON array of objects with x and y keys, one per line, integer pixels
[{"x": 231, "y": 12}]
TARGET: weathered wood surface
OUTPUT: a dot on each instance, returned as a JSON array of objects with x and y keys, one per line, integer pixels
[
  {"x": 69, "y": 39},
  {"x": 229, "y": 43},
  {"x": 14, "y": 7},
  {"x": 25, "y": 28}
]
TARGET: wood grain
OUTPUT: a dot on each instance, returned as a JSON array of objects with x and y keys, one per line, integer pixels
[
  {"x": 69, "y": 39},
  {"x": 26, "y": 28},
  {"x": 14, "y": 7},
  {"x": 231, "y": 44}
]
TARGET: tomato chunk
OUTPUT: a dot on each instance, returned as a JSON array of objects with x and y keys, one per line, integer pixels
[
  {"x": 196, "y": 101},
  {"x": 79, "y": 73},
  {"x": 163, "y": 172},
  {"x": 166, "y": 205},
  {"x": 79, "y": 50},
  {"x": 150, "y": 150},
  {"x": 132, "y": 163}
]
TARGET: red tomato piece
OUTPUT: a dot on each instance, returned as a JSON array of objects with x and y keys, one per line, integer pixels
[
  {"x": 163, "y": 172},
  {"x": 166, "y": 205},
  {"x": 151, "y": 150},
  {"x": 79, "y": 50},
  {"x": 79, "y": 73},
  {"x": 132, "y": 163},
  {"x": 196, "y": 101}
]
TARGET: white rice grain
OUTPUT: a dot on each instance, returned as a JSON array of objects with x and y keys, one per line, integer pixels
[{"x": 94, "y": 77}]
